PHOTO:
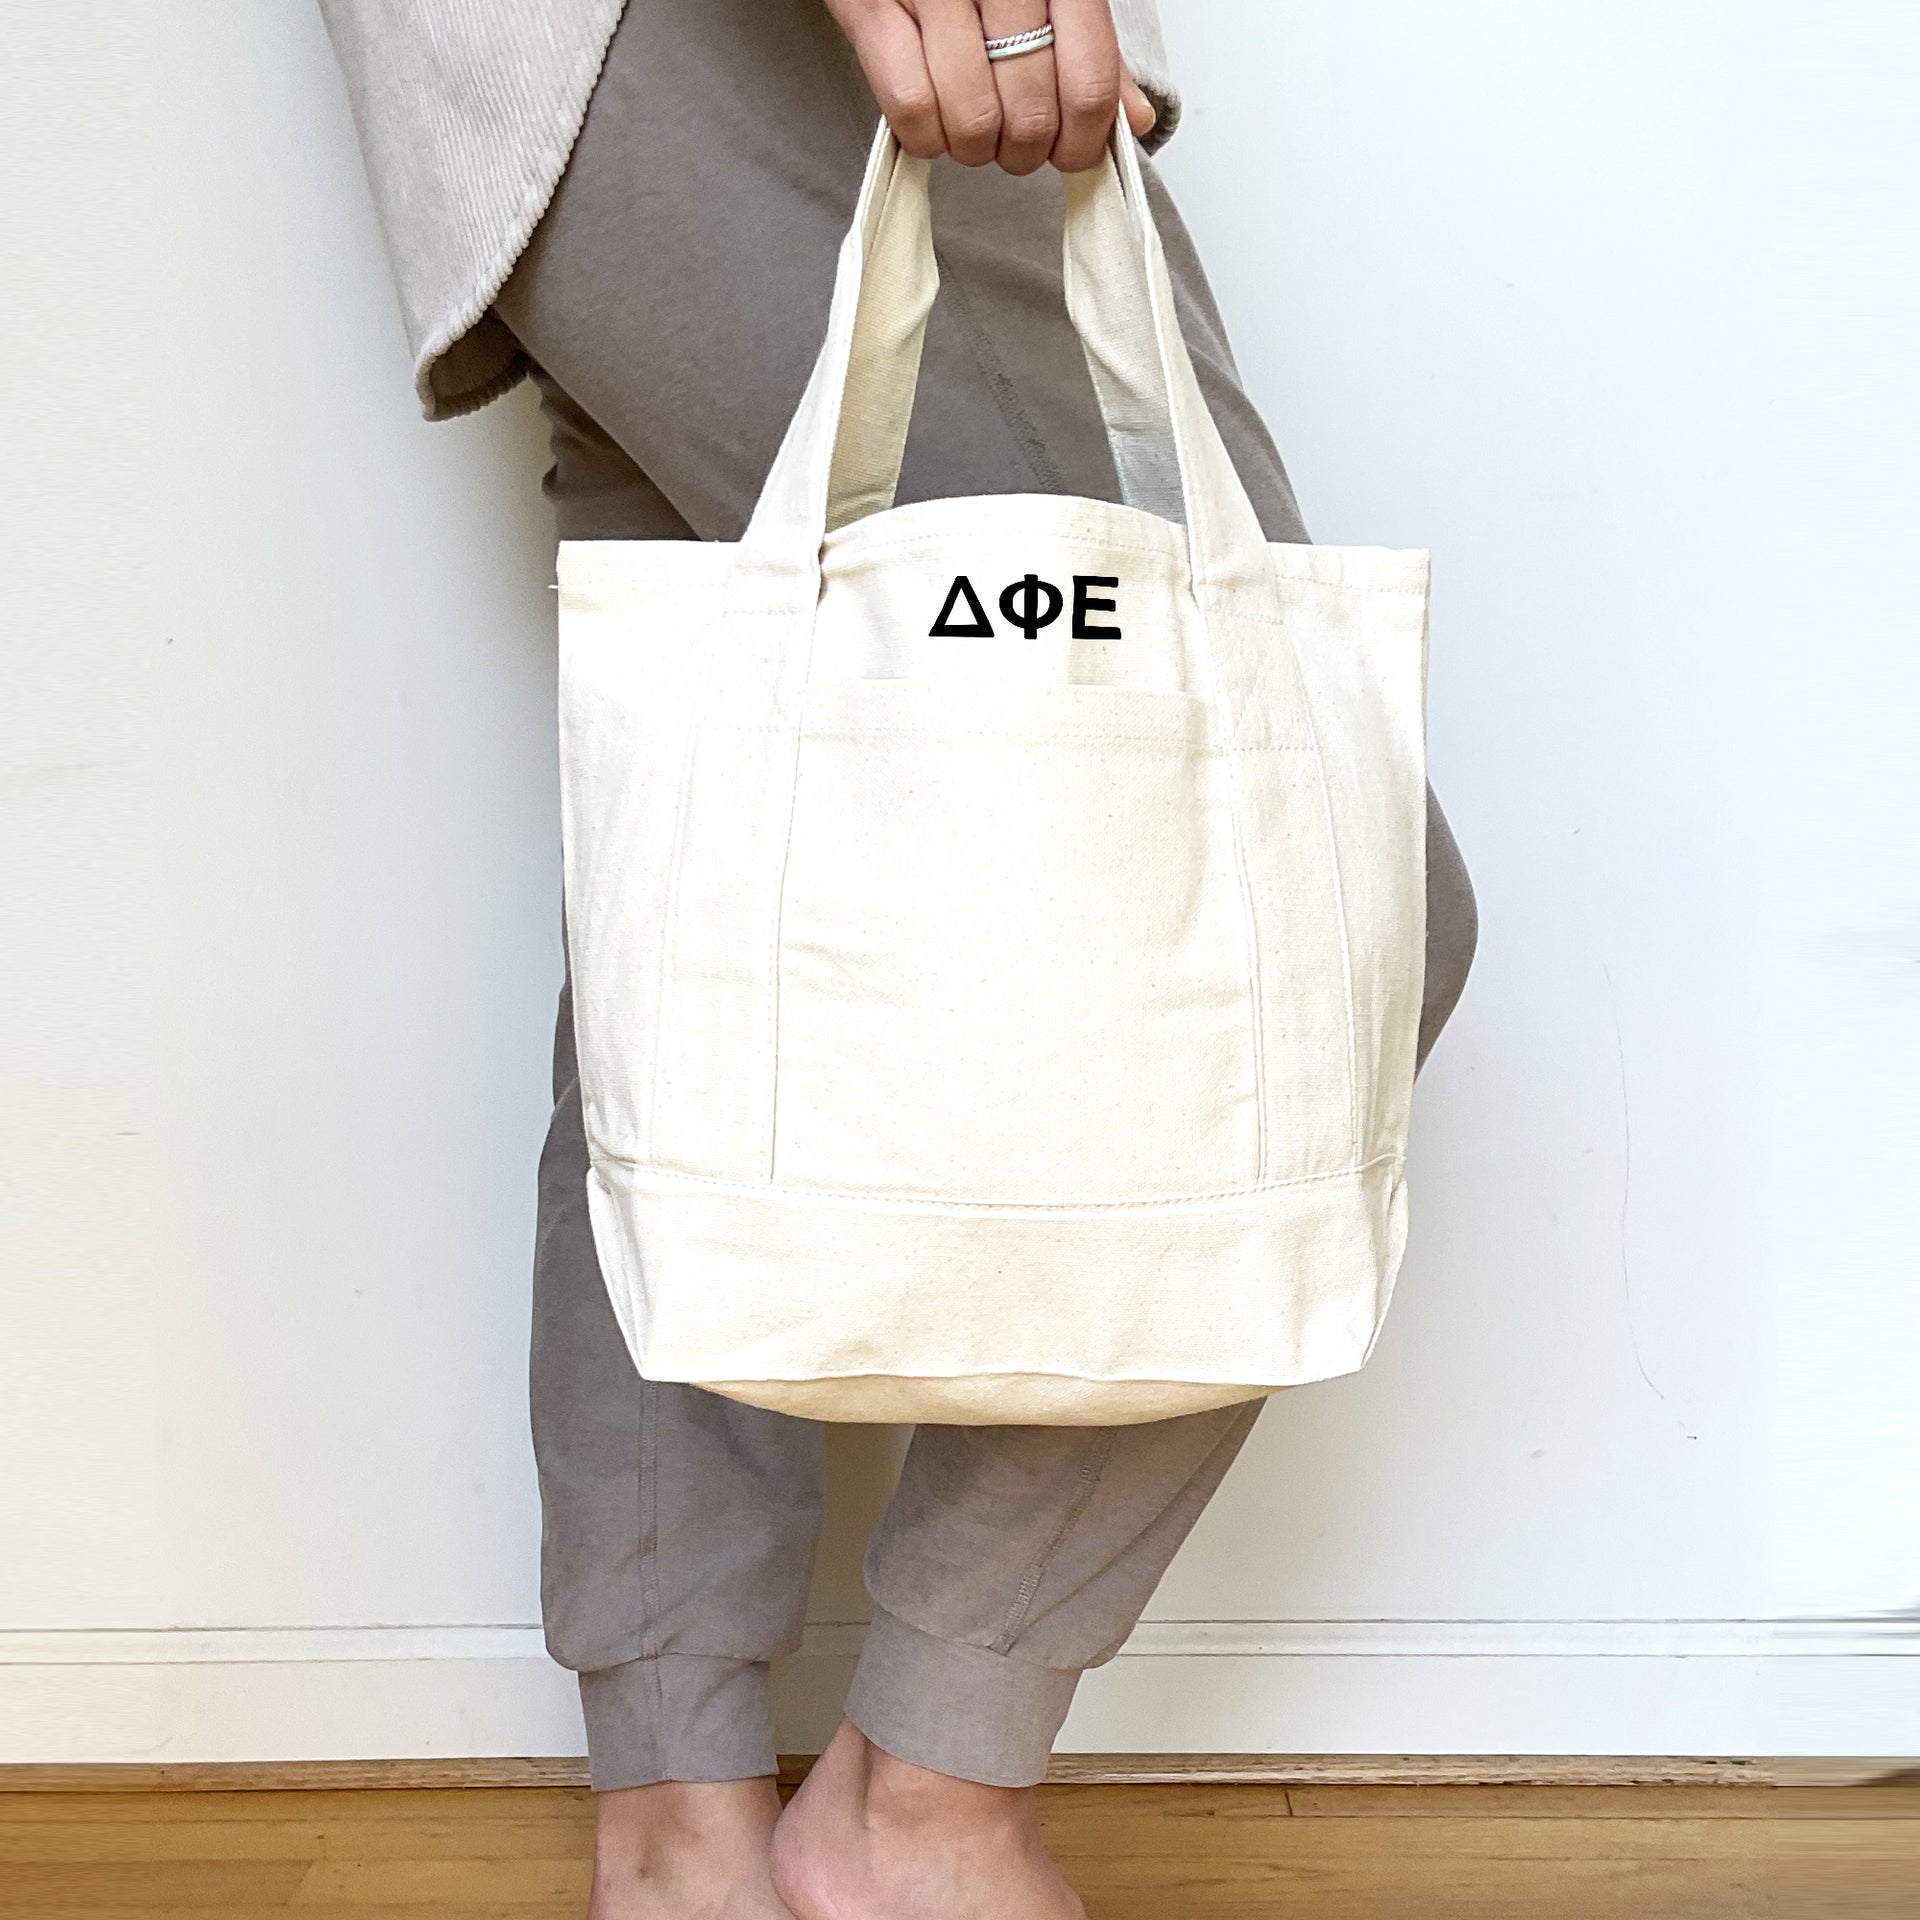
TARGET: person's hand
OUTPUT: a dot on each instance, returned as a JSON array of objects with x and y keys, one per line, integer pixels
[{"x": 927, "y": 65}]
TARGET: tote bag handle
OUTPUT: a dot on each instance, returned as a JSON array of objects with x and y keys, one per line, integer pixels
[{"x": 840, "y": 459}]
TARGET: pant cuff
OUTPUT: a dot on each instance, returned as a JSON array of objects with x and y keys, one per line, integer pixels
[
  {"x": 961, "y": 1710},
  {"x": 681, "y": 1716}
]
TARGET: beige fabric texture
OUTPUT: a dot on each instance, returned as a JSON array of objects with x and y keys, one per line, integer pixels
[
  {"x": 467, "y": 111},
  {"x": 1017, "y": 1027}
]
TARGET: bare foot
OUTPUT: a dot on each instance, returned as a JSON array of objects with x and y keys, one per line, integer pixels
[
  {"x": 869, "y": 1837},
  {"x": 685, "y": 1851}
]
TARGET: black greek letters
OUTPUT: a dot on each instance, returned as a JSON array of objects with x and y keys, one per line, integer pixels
[
  {"x": 1084, "y": 603},
  {"x": 1029, "y": 605},
  {"x": 1021, "y": 604},
  {"x": 943, "y": 627}
]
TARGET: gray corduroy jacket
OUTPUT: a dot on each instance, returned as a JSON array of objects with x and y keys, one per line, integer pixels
[{"x": 467, "y": 111}]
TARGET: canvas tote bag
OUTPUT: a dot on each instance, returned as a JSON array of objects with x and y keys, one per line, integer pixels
[{"x": 997, "y": 924}]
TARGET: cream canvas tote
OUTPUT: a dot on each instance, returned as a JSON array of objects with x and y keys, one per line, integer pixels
[{"x": 997, "y": 924}]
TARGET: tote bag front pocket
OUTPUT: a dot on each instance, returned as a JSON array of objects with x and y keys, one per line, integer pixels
[{"x": 1007, "y": 909}]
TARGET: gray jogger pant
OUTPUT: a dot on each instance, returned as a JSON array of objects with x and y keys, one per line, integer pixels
[{"x": 671, "y": 301}]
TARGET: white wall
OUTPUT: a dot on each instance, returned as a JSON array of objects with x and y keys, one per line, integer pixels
[{"x": 1604, "y": 305}]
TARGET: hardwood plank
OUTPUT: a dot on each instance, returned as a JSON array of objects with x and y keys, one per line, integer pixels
[
  {"x": 1749, "y": 1802},
  {"x": 439, "y": 1883},
  {"x": 441, "y": 1803},
  {"x": 347, "y": 1838},
  {"x": 1466, "y": 1891},
  {"x": 1361, "y": 1769},
  {"x": 489, "y": 1910},
  {"x": 1333, "y": 1841},
  {"x": 1887, "y": 1840},
  {"x": 162, "y": 1886},
  {"x": 1859, "y": 1890},
  {"x": 1068, "y": 1768},
  {"x": 1468, "y": 1803},
  {"x": 271, "y": 1776},
  {"x": 1845, "y": 1773},
  {"x": 1626, "y": 1901}
]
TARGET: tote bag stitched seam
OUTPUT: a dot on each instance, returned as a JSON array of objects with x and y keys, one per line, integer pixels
[
  {"x": 1281, "y": 624},
  {"x": 1339, "y": 893},
  {"x": 882, "y": 544},
  {"x": 1008, "y": 737},
  {"x": 942, "y": 736},
  {"x": 879, "y": 1196},
  {"x": 1077, "y": 1374},
  {"x": 582, "y": 598},
  {"x": 1198, "y": 590},
  {"x": 774, "y": 967},
  {"x": 792, "y": 676},
  {"x": 1201, "y": 589},
  {"x": 1249, "y": 919},
  {"x": 676, "y": 863},
  {"x": 1013, "y": 736},
  {"x": 669, "y": 919},
  {"x": 1336, "y": 586}
]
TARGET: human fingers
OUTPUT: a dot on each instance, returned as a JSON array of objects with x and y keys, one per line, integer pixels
[
  {"x": 1027, "y": 84},
  {"x": 885, "y": 39},
  {"x": 1140, "y": 111},
  {"x": 956, "y": 57},
  {"x": 1087, "y": 55}
]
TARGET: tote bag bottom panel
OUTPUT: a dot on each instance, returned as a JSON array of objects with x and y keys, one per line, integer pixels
[
  {"x": 983, "y": 1399},
  {"x": 995, "y": 1314}
]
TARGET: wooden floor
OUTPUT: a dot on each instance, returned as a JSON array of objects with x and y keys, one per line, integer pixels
[{"x": 1135, "y": 1852}]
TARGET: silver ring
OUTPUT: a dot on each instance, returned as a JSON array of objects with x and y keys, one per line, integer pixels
[{"x": 1009, "y": 45}]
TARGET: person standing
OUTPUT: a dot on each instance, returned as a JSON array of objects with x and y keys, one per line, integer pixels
[{"x": 638, "y": 206}]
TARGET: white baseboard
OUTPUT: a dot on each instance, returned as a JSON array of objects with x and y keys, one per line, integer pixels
[{"x": 1719, "y": 1687}]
